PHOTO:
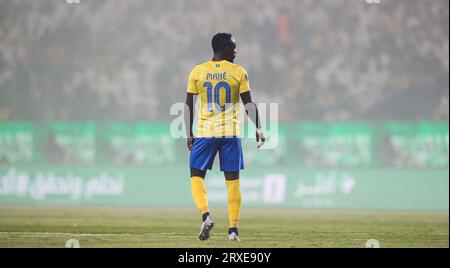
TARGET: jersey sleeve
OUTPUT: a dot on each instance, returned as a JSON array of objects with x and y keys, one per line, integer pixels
[
  {"x": 192, "y": 85},
  {"x": 244, "y": 85}
]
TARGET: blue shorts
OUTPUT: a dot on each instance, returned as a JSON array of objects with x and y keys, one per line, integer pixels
[{"x": 204, "y": 151}]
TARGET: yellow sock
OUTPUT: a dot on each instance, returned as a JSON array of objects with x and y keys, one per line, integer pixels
[
  {"x": 234, "y": 202},
  {"x": 198, "y": 189}
]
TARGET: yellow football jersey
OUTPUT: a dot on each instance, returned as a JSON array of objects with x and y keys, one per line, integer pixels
[{"x": 218, "y": 85}]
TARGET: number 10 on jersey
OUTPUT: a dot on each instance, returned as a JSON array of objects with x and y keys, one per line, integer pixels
[{"x": 209, "y": 94}]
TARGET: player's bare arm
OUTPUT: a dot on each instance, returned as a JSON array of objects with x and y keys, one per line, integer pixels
[
  {"x": 189, "y": 118},
  {"x": 252, "y": 111}
]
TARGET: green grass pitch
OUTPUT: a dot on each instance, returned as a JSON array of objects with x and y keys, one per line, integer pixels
[{"x": 271, "y": 228}]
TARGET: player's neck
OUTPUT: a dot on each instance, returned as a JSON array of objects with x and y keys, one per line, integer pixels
[{"x": 219, "y": 57}]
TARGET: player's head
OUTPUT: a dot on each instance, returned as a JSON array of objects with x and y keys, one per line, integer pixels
[{"x": 224, "y": 44}]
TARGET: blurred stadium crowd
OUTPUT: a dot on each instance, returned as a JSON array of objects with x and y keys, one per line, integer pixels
[{"x": 129, "y": 60}]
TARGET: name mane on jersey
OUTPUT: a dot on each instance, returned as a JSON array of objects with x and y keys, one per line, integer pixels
[{"x": 216, "y": 76}]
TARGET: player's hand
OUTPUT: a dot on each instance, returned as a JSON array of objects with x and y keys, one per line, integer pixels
[
  {"x": 260, "y": 138},
  {"x": 190, "y": 141}
]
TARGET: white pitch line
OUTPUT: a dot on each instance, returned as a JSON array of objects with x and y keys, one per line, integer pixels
[
  {"x": 35, "y": 234},
  {"x": 163, "y": 235}
]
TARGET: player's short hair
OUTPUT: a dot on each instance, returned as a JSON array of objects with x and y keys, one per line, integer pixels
[{"x": 220, "y": 41}]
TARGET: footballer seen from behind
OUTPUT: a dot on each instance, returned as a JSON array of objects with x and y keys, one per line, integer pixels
[{"x": 219, "y": 83}]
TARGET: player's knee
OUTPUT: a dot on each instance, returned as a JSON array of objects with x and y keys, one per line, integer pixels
[
  {"x": 231, "y": 176},
  {"x": 198, "y": 173}
]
